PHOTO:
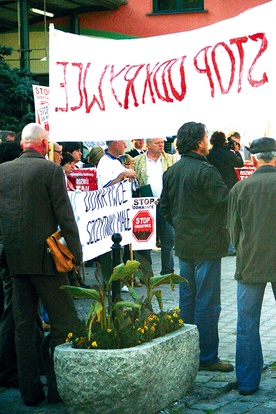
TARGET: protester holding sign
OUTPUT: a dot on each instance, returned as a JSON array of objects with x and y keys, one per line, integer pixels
[
  {"x": 110, "y": 169},
  {"x": 150, "y": 168}
]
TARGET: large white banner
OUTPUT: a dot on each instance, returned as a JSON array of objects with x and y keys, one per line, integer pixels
[{"x": 222, "y": 75}]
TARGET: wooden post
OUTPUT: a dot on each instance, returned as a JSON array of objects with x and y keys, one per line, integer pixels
[
  {"x": 51, "y": 151},
  {"x": 131, "y": 258}
]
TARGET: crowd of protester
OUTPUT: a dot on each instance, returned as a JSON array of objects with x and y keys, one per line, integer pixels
[{"x": 203, "y": 214}]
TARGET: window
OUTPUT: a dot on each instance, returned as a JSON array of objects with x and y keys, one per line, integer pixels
[{"x": 174, "y": 6}]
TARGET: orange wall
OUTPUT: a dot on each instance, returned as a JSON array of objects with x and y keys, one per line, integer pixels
[{"x": 133, "y": 19}]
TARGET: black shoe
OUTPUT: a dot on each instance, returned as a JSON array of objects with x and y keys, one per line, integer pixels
[
  {"x": 14, "y": 383},
  {"x": 34, "y": 403},
  {"x": 54, "y": 398},
  {"x": 247, "y": 392}
]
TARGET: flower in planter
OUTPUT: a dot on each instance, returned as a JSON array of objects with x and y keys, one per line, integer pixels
[{"x": 124, "y": 324}]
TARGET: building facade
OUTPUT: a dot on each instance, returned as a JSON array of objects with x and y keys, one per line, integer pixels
[{"x": 134, "y": 18}]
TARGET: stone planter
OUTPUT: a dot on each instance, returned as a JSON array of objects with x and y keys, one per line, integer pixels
[{"x": 141, "y": 379}]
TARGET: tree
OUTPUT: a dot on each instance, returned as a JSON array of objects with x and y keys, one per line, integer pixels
[{"x": 16, "y": 95}]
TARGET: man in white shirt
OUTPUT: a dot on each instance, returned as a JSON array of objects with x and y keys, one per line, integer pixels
[
  {"x": 150, "y": 168},
  {"x": 110, "y": 169}
]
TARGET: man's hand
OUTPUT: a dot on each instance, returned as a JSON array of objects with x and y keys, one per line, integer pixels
[{"x": 129, "y": 173}]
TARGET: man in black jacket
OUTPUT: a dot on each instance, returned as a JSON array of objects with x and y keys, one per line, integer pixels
[{"x": 194, "y": 202}]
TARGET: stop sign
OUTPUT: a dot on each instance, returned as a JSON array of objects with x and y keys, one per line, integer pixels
[{"x": 143, "y": 227}]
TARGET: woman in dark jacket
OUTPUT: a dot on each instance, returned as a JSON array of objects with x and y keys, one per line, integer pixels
[{"x": 224, "y": 158}]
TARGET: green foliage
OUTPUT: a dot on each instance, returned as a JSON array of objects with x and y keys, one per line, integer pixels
[
  {"x": 16, "y": 95},
  {"x": 124, "y": 323}
]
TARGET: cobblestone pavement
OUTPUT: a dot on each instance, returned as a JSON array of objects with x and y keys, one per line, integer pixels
[{"x": 213, "y": 392}]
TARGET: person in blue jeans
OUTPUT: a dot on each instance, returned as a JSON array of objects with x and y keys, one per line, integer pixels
[
  {"x": 251, "y": 221},
  {"x": 194, "y": 201}
]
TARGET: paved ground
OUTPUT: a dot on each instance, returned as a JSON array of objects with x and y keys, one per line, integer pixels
[{"x": 213, "y": 392}]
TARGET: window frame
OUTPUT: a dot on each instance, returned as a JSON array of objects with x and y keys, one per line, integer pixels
[{"x": 178, "y": 9}]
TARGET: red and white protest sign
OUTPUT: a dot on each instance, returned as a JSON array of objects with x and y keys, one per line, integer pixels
[
  {"x": 143, "y": 226},
  {"x": 245, "y": 171},
  {"x": 41, "y": 102},
  {"x": 84, "y": 179},
  {"x": 144, "y": 223}
]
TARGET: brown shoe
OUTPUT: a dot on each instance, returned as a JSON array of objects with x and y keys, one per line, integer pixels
[
  {"x": 46, "y": 327},
  {"x": 218, "y": 366}
]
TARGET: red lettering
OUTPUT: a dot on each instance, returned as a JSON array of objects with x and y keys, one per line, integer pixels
[
  {"x": 238, "y": 42},
  {"x": 80, "y": 66},
  {"x": 232, "y": 60},
  {"x": 178, "y": 96},
  {"x": 164, "y": 81},
  {"x": 100, "y": 101},
  {"x": 41, "y": 90},
  {"x": 207, "y": 69},
  {"x": 130, "y": 84},
  {"x": 148, "y": 82},
  {"x": 263, "y": 47},
  {"x": 166, "y": 98},
  {"x": 112, "y": 77},
  {"x": 63, "y": 85}
]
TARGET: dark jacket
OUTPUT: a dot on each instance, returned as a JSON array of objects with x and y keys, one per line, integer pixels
[
  {"x": 251, "y": 220},
  {"x": 33, "y": 202},
  {"x": 194, "y": 202},
  {"x": 133, "y": 152},
  {"x": 226, "y": 161}
]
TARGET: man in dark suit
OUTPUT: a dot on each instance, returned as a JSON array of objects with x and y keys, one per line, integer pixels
[
  {"x": 137, "y": 147},
  {"x": 33, "y": 202}
]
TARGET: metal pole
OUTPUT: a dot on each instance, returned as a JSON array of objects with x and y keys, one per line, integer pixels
[
  {"x": 23, "y": 22},
  {"x": 117, "y": 259}
]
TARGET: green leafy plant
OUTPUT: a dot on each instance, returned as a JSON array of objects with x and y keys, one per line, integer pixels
[
  {"x": 122, "y": 323},
  {"x": 16, "y": 94}
]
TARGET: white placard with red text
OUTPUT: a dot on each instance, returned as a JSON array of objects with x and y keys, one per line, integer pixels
[
  {"x": 220, "y": 75},
  {"x": 41, "y": 103}
]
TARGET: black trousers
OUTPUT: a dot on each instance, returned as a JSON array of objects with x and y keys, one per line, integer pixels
[{"x": 27, "y": 289}]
